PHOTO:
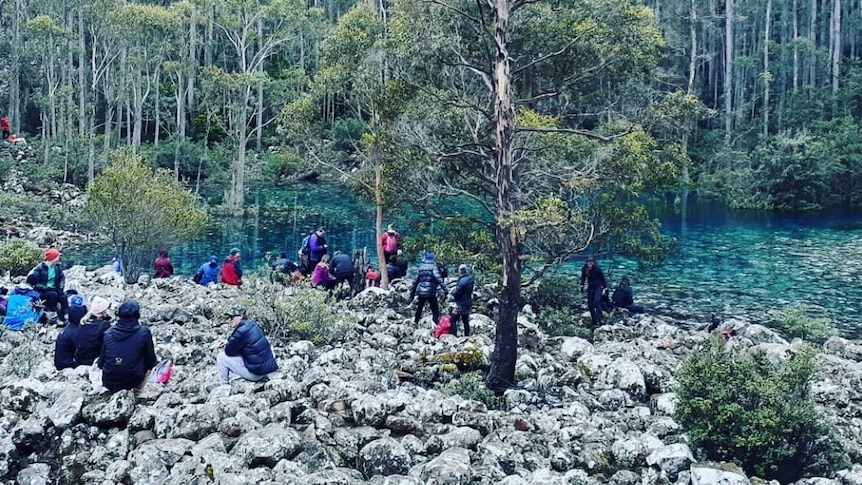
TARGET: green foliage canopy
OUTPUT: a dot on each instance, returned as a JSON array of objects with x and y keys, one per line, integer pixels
[{"x": 141, "y": 211}]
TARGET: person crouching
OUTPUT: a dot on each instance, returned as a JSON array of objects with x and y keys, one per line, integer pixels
[{"x": 247, "y": 352}]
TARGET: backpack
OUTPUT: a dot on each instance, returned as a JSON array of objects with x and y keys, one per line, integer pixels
[
  {"x": 19, "y": 311},
  {"x": 390, "y": 244},
  {"x": 444, "y": 326},
  {"x": 161, "y": 374},
  {"x": 305, "y": 247},
  {"x": 198, "y": 276},
  {"x": 444, "y": 273}
]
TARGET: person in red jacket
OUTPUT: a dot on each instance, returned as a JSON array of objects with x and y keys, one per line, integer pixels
[
  {"x": 6, "y": 126},
  {"x": 162, "y": 264},
  {"x": 231, "y": 270},
  {"x": 391, "y": 241}
]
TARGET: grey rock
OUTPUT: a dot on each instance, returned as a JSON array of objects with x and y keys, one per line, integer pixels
[
  {"x": 452, "y": 467},
  {"x": 629, "y": 453},
  {"x": 66, "y": 409},
  {"x": 35, "y": 474},
  {"x": 266, "y": 446},
  {"x": 717, "y": 474},
  {"x": 334, "y": 476},
  {"x": 147, "y": 467},
  {"x": 383, "y": 457},
  {"x": 625, "y": 477},
  {"x": 672, "y": 459},
  {"x": 110, "y": 409}
]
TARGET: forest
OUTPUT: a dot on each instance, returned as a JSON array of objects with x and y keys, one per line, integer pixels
[{"x": 753, "y": 101}]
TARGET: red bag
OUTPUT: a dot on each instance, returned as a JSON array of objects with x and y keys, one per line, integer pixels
[
  {"x": 444, "y": 326},
  {"x": 162, "y": 372}
]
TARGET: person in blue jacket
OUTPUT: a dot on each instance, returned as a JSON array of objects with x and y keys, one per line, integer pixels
[
  {"x": 22, "y": 306},
  {"x": 247, "y": 352},
  {"x": 593, "y": 275},
  {"x": 81, "y": 342},
  {"x": 209, "y": 271},
  {"x": 128, "y": 353},
  {"x": 426, "y": 285},
  {"x": 463, "y": 297}
]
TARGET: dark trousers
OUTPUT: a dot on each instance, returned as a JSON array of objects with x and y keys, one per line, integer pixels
[
  {"x": 55, "y": 301},
  {"x": 594, "y": 303},
  {"x": 435, "y": 308},
  {"x": 464, "y": 316}
]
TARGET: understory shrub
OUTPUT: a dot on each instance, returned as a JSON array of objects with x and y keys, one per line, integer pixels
[
  {"x": 746, "y": 409},
  {"x": 799, "y": 321},
  {"x": 298, "y": 313},
  {"x": 471, "y": 385},
  {"x": 19, "y": 256}
]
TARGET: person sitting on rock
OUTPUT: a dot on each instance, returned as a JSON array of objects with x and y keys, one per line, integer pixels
[
  {"x": 128, "y": 353},
  {"x": 395, "y": 269},
  {"x": 428, "y": 282},
  {"x": 624, "y": 297},
  {"x": 163, "y": 266},
  {"x": 208, "y": 272},
  {"x": 372, "y": 276},
  {"x": 247, "y": 352},
  {"x": 77, "y": 308},
  {"x": 81, "y": 343},
  {"x": 231, "y": 270},
  {"x": 51, "y": 283},
  {"x": 13, "y": 232},
  {"x": 321, "y": 276}
]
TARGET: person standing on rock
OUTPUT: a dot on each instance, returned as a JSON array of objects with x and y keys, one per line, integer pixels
[
  {"x": 6, "y": 126},
  {"x": 391, "y": 241},
  {"x": 462, "y": 295},
  {"x": 128, "y": 353},
  {"x": 247, "y": 352},
  {"x": 81, "y": 343},
  {"x": 594, "y": 277},
  {"x": 426, "y": 285},
  {"x": 231, "y": 270},
  {"x": 163, "y": 266},
  {"x": 51, "y": 283},
  {"x": 316, "y": 247}
]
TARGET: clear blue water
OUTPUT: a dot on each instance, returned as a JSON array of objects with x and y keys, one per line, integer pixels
[{"x": 731, "y": 263}]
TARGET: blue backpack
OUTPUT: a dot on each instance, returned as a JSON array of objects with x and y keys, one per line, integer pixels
[
  {"x": 305, "y": 247},
  {"x": 19, "y": 311}
]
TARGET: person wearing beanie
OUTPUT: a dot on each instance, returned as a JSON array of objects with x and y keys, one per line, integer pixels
[
  {"x": 462, "y": 295},
  {"x": 247, "y": 352},
  {"x": 208, "y": 272},
  {"x": 426, "y": 285},
  {"x": 391, "y": 241},
  {"x": 163, "y": 266},
  {"x": 51, "y": 283},
  {"x": 81, "y": 344},
  {"x": 593, "y": 275},
  {"x": 77, "y": 308},
  {"x": 128, "y": 353},
  {"x": 231, "y": 270}
]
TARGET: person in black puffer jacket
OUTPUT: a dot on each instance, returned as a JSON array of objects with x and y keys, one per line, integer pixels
[
  {"x": 246, "y": 352},
  {"x": 426, "y": 285},
  {"x": 463, "y": 297},
  {"x": 128, "y": 353}
]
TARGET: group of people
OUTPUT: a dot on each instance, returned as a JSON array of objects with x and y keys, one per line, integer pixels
[{"x": 597, "y": 299}]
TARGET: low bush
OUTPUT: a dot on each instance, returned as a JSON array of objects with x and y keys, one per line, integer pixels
[
  {"x": 19, "y": 256},
  {"x": 298, "y": 313},
  {"x": 745, "y": 409},
  {"x": 471, "y": 385},
  {"x": 555, "y": 292},
  {"x": 799, "y": 321}
]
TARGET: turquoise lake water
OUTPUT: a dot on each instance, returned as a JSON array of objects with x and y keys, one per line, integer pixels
[{"x": 731, "y": 263}]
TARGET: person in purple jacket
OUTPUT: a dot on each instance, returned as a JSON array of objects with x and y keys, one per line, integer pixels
[{"x": 317, "y": 247}]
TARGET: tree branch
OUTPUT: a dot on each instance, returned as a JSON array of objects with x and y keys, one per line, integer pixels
[{"x": 575, "y": 131}]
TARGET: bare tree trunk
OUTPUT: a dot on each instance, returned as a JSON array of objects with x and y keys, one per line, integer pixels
[
  {"x": 378, "y": 233},
  {"x": 180, "y": 137},
  {"x": 502, "y": 373},
  {"x": 82, "y": 78},
  {"x": 728, "y": 69},
  {"x": 795, "y": 45},
  {"x": 192, "y": 63},
  {"x": 158, "y": 117},
  {"x": 812, "y": 36},
  {"x": 835, "y": 42},
  {"x": 258, "y": 129},
  {"x": 766, "y": 75}
]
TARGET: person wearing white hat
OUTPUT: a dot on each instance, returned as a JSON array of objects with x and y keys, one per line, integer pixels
[{"x": 81, "y": 344}]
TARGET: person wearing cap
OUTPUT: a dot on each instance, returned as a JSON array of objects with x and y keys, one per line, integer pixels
[
  {"x": 247, "y": 352},
  {"x": 128, "y": 353},
  {"x": 316, "y": 247},
  {"x": 462, "y": 295},
  {"x": 209, "y": 271},
  {"x": 51, "y": 284},
  {"x": 163, "y": 266},
  {"x": 426, "y": 285},
  {"x": 390, "y": 240},
  {"x": 594, "y": 277},
  {"x": 231, "y": 270},
  {"x": 81, "y": 343}
]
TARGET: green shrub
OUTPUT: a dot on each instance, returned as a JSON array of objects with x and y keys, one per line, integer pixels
[
  {"x": 303, "y": 314},
  {"x": 798, "y": 321},
  {"x": 471, "y": 385},
  {"x": 555, "y": 292},
  {"x": 745, "y": 409},
  {"x": 19, "y": 256}
]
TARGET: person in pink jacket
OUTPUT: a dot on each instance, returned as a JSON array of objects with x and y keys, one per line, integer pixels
[{"x": 321, "y": 275}]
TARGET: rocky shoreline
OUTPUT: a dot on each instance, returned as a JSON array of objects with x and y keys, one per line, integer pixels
[{"x": 367, "y": 409}]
